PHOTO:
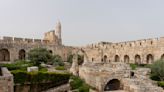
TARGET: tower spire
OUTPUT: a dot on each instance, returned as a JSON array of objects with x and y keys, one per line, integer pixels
[{"x": 58, "y": 31}]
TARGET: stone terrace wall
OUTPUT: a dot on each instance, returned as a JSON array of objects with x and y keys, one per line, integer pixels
[
  {"x": 62, "y": 88},
  {"x": 6, "y": 81}
]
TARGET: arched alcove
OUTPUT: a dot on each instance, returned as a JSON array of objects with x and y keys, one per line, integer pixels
[
  {"x": 137, "y": 59},
  {"x": 117, "y": 58},
  {"x": 105, "y": 58},
  {"x": 112, "y": 85},
  {"x": 126, "y": 59},
  {"x": 4, "y": 55},
  {"x": 22, "y": 54},
  {"x": 149, "y": 59}
]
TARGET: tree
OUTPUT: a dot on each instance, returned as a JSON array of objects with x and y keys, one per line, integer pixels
[
  {"x": 70, "y": 58},
  {"x": 57, "y": 60},
  {"x": 39, "y": 55},
  {"x": 157, "y": 69}
]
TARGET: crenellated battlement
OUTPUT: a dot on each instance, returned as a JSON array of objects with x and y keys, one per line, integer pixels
[
  {"x": 7, "y": 39},
  {"x": 136, "y": 43}
]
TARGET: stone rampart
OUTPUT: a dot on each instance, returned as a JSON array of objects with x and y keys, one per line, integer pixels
[{"x": 6, "y": 39}]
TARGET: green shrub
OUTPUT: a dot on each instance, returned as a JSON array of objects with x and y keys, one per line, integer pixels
[
  {"x": 161, "y": 83},
  {"x": 60, "y": 68},
  {"x": 154, "y": 77},
  {"x": 70, "y": 58},
  {"x": 79, "y": 84},
  {"x": 57, "y": 60},
  {"x": 21, "y": 65},
  {"x": 133, "y": 66},
  {"x": 84, "y": 88},
  {"x": 42, "y": 69},
  {"x": 76, "y": 82},
  {"x": 157, "y": 69},
  {"x": 23, "y": 77}
]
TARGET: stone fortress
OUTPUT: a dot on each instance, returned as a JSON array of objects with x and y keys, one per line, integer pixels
[
  {"x": 144, "y": 51},
  {"x": 13, "y": 48},
  {"x": 104, "y": 64}
]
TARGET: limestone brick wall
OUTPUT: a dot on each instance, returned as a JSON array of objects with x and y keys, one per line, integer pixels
[
  {"x": 6, "y": 81},
  {"x": 98, "y": 75},
  {"x": 13, "y": 48},
  {"x": 148, "y": 51}
]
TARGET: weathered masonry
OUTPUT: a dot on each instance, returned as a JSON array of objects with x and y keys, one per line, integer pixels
[
  {"x": 144, "y": 51},
  {"x": 14, "y": 48}
]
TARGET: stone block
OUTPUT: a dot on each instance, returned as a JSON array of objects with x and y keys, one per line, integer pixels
[{"x": 32, "y": 69}]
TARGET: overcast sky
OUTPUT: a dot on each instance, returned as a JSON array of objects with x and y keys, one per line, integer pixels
[{"x": 83, "y": 21}]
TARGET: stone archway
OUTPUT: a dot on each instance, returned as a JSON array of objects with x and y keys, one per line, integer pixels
[
  {"x": 137, "y": 59},
  {"x": 126, "y": 59},
  {"x": 22, "y": 54},
  {"x": 112, "y": 85},
  {"x": 117, "y": 58},
  {"x": 105, "y": 58},
  {"x": 149, "y": 59},
  {"x": 162, "y": 57},
  {"x": 4, "y": 55}
]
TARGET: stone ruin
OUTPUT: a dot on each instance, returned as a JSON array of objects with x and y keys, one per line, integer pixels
[
  {"x": 6, "y": 81},
  {"x": 114, "y": 76}
]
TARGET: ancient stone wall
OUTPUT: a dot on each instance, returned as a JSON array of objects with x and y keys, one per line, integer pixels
[
  {"x": 115, "y": 76},
  {"x": 144, "y": 51},
  {"x": 11, "y": 47}
]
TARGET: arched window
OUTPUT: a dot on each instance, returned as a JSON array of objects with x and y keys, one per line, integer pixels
[
  {"x": 105, "y": 58},
  {"x": 4, "y": 55},
  {"x": 126, "y": 59},
  {"x": 137, "y": 59},
  {"x": 149, "y": 59},
  {"x": 22, "y": 54},
  {"x": 112, "y": 85},
  {"x": 117, "y": 58}
]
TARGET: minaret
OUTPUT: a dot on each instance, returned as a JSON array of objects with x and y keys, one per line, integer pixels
[{"x": 58, "y": 32}]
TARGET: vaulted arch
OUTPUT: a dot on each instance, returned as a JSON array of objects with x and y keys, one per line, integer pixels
[
  {"x": 126, "y": 59},
  {"x": 149, "y": 59},
  {"x": 117, "y": 58},
  {"x": 22, "y": 54},
  {"x": 4, "y": 55},
  {"x": 112, "y": 85},
  {"x": 137, "y": 59}
]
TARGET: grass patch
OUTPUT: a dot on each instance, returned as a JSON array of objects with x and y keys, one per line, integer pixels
[
  {"x": 134, "y": 66},
  {"x": 60, "y": 68}
]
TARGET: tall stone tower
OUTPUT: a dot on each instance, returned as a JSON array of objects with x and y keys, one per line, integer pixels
[
  {"x": 58, "y": 32},
  {"x": 54, "y": 36}
]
